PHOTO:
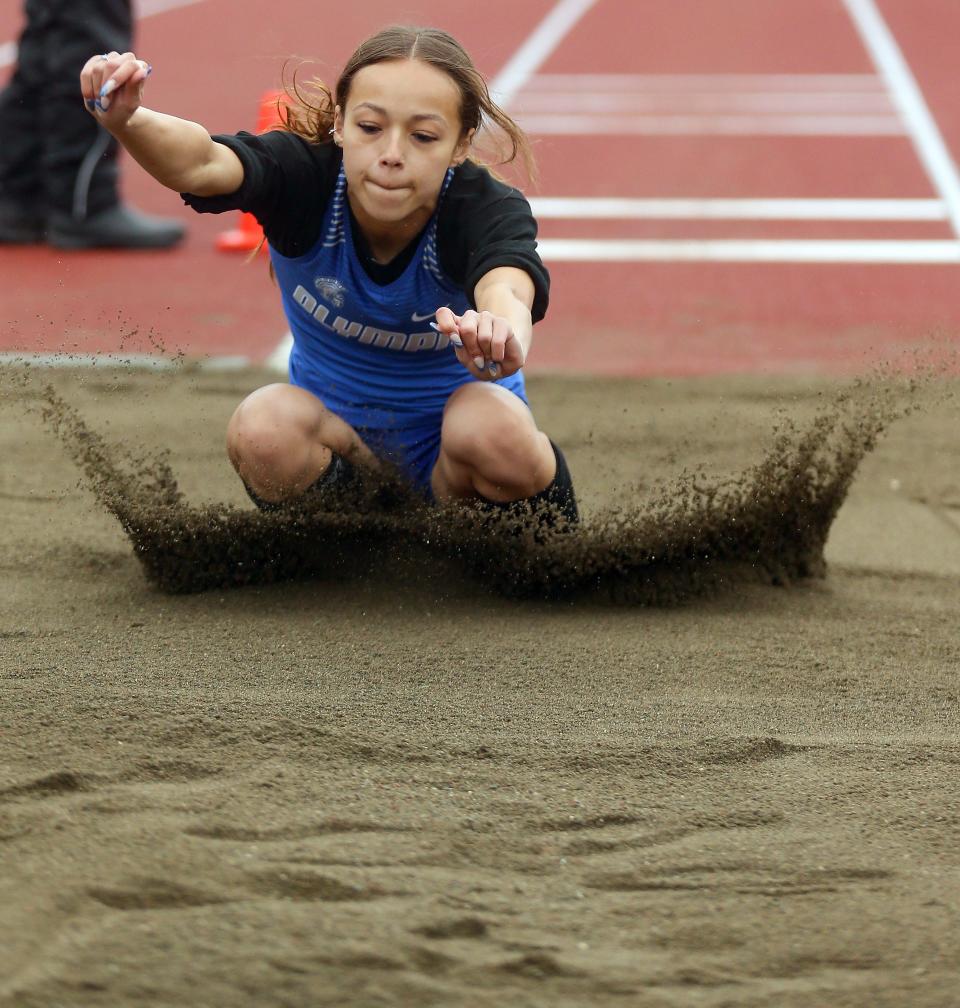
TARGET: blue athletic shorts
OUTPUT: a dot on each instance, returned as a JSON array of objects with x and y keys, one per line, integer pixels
[{"x": 412, "y": 447}]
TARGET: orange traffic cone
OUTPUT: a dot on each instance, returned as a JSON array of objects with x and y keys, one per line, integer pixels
[{"x": 249, "y": 234}]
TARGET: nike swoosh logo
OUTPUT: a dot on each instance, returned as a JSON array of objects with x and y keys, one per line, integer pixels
[{"x": 421, "y": 318}]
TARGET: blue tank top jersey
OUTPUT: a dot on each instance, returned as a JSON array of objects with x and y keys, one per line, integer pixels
[{"x": 365, "y": 350}]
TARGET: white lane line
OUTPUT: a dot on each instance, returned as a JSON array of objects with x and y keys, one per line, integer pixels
[
  {"x": 147, "y": 8},
  {"x": 279, "y": 357},
  {"x": 602, "y": 208},
  {"x": 752, "y": 251},
  {"x": 708, "y": 83},
  {"x": 562, "y": 124},
  {"x": 788, "y": 102},
  {"x": 537, "y": 48},
  {"x": 909, "y": 99},
  {"x": 143, "y": 361},
  {"x": 144, "y": 9}
]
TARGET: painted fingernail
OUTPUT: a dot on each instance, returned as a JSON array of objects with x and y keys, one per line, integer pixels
[
  {"x": 91, "y": 104},
  {"x": 100, "y": 107},
  {"x": 108, "y": 87},
  {"x": 453, "y": 339},
  {"x": 149, "y": 70},
  {"x": 478, "y": 363},
  {"x": 492, "y": 367}
]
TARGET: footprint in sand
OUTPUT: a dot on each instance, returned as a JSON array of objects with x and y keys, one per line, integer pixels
[
  {"x": 461, "y": 927},
  {"x": 309, "y": 886},
  {"x": 253, "y": 834},
  {"x": 748, "y": 879},
  {"x": 153, "y": 894}
]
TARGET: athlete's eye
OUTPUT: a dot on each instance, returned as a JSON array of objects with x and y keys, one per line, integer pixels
[{"x": 425, "y": 138}]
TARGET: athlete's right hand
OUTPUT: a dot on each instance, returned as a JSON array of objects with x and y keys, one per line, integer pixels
[{"x": 112, "y": 86}]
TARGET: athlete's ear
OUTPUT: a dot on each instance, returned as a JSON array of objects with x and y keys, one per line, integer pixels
[{"x": 462, "y": 149}]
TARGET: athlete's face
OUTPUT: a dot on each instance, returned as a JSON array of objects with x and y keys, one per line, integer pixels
[{"x": 400, "y": 132}]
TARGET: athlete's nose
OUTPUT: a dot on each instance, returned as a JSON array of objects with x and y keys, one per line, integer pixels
[{"x": 392, "y": 154}]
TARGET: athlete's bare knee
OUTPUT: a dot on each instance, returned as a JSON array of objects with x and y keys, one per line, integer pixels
[
  {"x": 271, "y": 442},
  {"x": 496, "y": 444},
  {"x": 259, "y": 428}
]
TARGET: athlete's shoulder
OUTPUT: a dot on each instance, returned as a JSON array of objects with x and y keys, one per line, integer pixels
[
  {"x": 287, "y": 183},
  {"x": 291, "y": 153},
  {"x": 290, "y": 144},
  {"x": 485, "y": 223},
  {"x": 474, "y": 186}
]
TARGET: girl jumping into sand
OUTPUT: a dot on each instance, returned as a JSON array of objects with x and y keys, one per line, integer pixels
[{"x": 408, "y": 273}]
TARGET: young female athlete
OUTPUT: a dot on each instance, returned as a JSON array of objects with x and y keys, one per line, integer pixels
[{"x": 378, "y": 222}]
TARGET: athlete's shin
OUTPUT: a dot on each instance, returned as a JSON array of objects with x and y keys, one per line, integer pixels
[
  {"x": 553, "y": 507},
  {"x": 339, "y": 477}
]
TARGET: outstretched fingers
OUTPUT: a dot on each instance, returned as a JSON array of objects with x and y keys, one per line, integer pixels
[
  {"x": 448, "y": 325},
  {"x": 108, "y": 75},
  {"x": 493, "y": 348},
  {"x": 484, "y": 343}
]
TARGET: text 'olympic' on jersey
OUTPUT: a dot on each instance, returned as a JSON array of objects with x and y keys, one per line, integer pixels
[{"x": 410, "y": 342}]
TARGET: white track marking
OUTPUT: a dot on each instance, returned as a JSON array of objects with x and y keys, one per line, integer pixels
[
  {"x": 144, "y": 9},
  {"x": 147, "y": 8},
  {"x": 709, "y": 83},
  {"x": 143, "y": 361},
  {"x": 743, "y": 251},
  {"x": 280, "y": 355},
  {"x": 788, "y": 103},
  {"x": 599, "y": 208},
  {"x": 707, "y": 105},
  {"x": 562, "y": 124},
  {"x": 537, "y": 48},
  {"x": 909, "y": 99}
]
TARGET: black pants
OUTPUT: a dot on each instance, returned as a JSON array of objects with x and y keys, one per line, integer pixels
[{"x": 53, "y": 155}]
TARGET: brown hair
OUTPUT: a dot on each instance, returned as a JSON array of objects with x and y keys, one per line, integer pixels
[{"x": 310, "y": 110}]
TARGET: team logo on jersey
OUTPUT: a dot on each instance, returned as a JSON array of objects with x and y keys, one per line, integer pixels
[{"x": 330, "y": 289}]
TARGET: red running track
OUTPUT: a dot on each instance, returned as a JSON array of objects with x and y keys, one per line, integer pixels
[{"x": 697, "y": 100}]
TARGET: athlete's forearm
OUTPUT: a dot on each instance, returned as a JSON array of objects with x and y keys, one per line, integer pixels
[
  {"x": 180, "y": 154},
  {"x": 510, "y": 299}
]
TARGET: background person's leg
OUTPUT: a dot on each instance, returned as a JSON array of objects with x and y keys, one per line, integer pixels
[
  {"x": 22, "y": 198},
  {"x": 80, "y": 157},
  {"x": 58, "y": 172}
]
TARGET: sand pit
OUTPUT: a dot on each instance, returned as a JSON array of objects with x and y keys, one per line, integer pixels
[{"x": 380, "y": 786}]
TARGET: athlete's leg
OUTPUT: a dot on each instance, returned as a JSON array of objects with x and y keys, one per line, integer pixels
[
  {"x": 282, "y": 439},
  {"x": 491, "y": 448}
]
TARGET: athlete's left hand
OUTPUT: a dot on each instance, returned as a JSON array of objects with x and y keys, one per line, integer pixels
[{"x": 489, "y": 349}]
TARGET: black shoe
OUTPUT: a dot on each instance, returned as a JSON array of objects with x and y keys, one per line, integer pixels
[
  {"x": 20, "y": 224},
  {"x": 118, "y": 227}
]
